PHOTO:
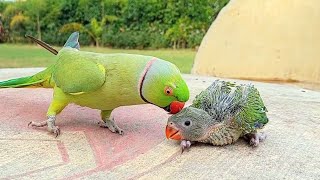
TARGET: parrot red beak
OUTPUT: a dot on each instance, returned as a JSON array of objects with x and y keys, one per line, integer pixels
[
  {"x": 172, "y": 133},
  {"x": 176, "y": 107}
]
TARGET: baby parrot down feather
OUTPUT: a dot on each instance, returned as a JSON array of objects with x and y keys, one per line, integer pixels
[
  {"x": 104, "y": 82},
  {"x": 220, "y": 115}
]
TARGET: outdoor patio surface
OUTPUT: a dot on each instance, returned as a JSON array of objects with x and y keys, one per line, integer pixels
[{"x": 86, "y": 151}]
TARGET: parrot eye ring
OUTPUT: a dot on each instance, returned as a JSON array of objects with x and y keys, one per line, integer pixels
[
  {"x": 168, "y": 91},
  {"x": 187, "y": 123}
]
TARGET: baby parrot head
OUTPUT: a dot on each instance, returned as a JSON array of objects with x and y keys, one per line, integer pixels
[
  {"x": 189, "y": 124},
  {"x": 164, "y": 86}
]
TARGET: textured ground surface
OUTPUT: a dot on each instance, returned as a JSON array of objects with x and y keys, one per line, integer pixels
[{"x": 86, "y": 151}]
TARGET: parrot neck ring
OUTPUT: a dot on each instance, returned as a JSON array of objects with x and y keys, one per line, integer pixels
[{"x": 143, "y": 78}]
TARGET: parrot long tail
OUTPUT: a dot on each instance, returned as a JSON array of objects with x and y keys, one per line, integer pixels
[{"x": 41, "y": 79}]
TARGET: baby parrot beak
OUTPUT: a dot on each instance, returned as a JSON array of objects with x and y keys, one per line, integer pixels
[
  {"x": 172, "y": 133},
  {"x": 174, "y": 107}
]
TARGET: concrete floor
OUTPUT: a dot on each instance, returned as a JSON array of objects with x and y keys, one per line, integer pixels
[{"x": 86, "y": 151}]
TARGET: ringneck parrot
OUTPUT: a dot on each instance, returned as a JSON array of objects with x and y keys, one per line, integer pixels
[
  {"x": 104, "y": 82},
  {"x": 220, "y": 115}
]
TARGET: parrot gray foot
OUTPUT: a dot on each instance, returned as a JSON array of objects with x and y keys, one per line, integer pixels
[
  {"x": 185, "y": 145},
  {"x": 256, "y": 138},
  {"x": 50, "y": 123},
  {"x": 111, "y": 125}
]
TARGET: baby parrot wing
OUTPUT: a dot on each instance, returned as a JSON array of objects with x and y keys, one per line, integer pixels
[
  {"x": 215, "y": 100},
  {"x": 252, "y": 111}
]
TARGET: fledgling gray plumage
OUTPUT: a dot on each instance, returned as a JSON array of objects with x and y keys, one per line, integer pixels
[{"x": 220, "y": 115}]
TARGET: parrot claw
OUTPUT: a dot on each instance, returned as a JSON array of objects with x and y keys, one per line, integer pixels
[
  {"x": 185, "y": 145},
  {"x": 256, "y": 138},
  {"x": 55, "y": 130},
  {"x": 49, "y": 123},
  {"x": 37, "y": 124},
  {"x": 110, "y": 124}
]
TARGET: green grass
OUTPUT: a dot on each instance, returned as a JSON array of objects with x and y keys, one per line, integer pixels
[{"x": 13, "y": 55}]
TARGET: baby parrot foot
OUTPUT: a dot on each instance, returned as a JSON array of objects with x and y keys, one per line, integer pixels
[
  {"x": 111, "y": 125},
  {"x": 50, "y": 123},
  {"x": 256, "y": 138},
  {"x": 262, "y": 136},
  {"x": 185, "y": 145}
]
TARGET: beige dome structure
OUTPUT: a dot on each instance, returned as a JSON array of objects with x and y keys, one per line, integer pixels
[{"x": 263, "y": 40}]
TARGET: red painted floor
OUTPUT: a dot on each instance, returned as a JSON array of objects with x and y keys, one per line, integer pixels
[{"x": 143, "y": 125}]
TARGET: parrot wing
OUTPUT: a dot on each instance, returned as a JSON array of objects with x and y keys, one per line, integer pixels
[
  {"x": 225, "y": 101},
  {"x": 76, "y": 74},
  {"x": 215, "y": 100},
  {"x": 251, "y": 114}
]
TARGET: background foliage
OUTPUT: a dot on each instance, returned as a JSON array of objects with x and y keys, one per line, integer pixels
[{"x": 113, "y": 23}]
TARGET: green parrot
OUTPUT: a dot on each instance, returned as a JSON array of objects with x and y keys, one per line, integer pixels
[
  {"x": 104, "y": 82},
  {"x": 220, "y": 115}
]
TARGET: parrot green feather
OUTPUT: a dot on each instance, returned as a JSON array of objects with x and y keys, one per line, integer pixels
[
  {"x": 252, "y": 112},
  {"x": 41, "y": 79},
  {"x": 89, "y": 75},
  {"x": 223, "y": 100}
]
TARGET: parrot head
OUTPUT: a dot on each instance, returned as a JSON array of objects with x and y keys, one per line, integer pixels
[
  {"x": 189, "y": 124},
  {"x": 164, "y": 86}
]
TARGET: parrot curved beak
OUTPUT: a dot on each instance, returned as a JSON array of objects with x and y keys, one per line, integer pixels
[
  {"x": 172, "y": 133},
  {"x": 174, "y": 107}
]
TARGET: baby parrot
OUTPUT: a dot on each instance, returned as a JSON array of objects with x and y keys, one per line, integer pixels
[
  {"x": 220, "y": 115},
  {"x": 104, "y": 82}
]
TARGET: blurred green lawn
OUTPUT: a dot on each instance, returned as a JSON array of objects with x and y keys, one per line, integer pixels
[{"x": 13, "y": 55}]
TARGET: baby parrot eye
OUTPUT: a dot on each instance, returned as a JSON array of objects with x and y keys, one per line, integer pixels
[
  {"x": 187, "y": 123},
  {"x": 168, "y": 91}
]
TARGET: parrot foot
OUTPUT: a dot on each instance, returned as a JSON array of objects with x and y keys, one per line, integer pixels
[
  {"x": 111, "y": 125},
  {"x": 256, "y": 138},
  {"x": 185, "y": 145},
  {"x": 50, "y": 123}
]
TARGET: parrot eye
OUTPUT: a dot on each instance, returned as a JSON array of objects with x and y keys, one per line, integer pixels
[
  {"x": 168, "y": 91},
  {"x": 187, "y": 123}
]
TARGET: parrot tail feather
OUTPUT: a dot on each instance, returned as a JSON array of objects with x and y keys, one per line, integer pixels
[
  {"x": 73, "y": 41},
  {"x": 41, "y": 79},
  {"x": 19, "y": 82},
  {"x": 43, "y": 44}
]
